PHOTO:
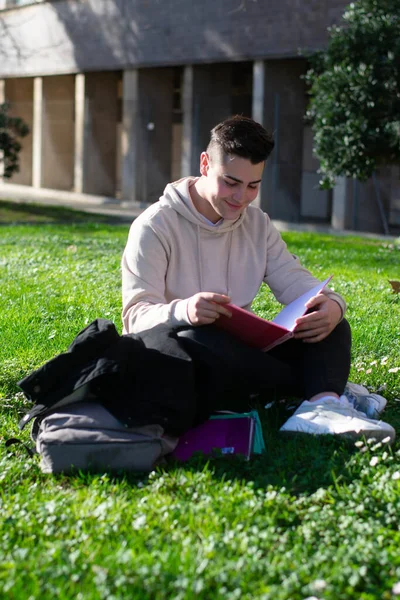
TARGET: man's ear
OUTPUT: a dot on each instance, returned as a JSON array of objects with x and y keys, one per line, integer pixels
[{"x": 204, "y": 163}]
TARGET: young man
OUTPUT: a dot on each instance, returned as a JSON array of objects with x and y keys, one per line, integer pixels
[{"x": 204, "y": 245}]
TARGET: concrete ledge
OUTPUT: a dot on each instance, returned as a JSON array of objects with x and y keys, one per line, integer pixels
[
  {"x": 329, "y": 230},
  {"x": 85, "y": 202}
]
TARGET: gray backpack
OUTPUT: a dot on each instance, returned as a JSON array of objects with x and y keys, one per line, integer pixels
[{"x": 85, "y": 436}]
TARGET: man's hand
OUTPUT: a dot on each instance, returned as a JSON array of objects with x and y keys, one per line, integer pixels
[
  {"x": 316, "y": 325},
  {"x": 206, "y": 307}
]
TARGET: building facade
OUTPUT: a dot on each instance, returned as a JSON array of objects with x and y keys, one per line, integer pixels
[{"x": 120, "y": 96}]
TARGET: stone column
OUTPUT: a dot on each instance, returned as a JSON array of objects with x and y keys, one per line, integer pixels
[
  {"x": 258, "y": 91},
  {"x": 38, "y": 110},
  {"x": 130, "y": 83},
  {"x": 80, "y": 132},
  {"x": 340, "y": 204},
  {"x": 187, "y": 131},
  {"x": 2, "y": 100},
  {"x": 258, "y": 110}
]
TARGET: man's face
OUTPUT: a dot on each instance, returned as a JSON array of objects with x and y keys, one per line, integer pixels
[{"x": 229, "y": 185}]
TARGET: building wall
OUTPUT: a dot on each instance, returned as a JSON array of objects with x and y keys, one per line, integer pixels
[
  {"x": 69, "y": 36},
  {"x": 19, "y": 94},
  {"x": 125, "y": 135}
]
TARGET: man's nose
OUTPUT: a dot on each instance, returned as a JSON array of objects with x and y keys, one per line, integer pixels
[{"x": 238, "y": 196}]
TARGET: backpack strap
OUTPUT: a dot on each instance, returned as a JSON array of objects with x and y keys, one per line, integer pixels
[
  {"x": 36, "y": 411},
  {"x": 80, "y": 394},
  {"x": 13, "y": 441}
]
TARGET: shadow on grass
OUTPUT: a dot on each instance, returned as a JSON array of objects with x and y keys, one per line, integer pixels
[
  {"x": 300, "y": 463},
  {"x": 15, "y": 213}
]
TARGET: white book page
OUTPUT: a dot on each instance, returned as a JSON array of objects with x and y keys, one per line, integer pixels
[{"x": 288, "y": 315}]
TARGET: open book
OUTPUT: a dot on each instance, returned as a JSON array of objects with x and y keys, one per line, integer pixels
[{"x": 263, "y": 334}]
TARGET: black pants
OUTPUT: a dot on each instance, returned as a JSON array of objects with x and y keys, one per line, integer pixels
[{"x": 294, "y": 367}]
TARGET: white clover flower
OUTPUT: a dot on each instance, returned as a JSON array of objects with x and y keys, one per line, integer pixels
[
  {"x": 376, "y": 446},
  {"x": 396, "y": 589},
  {"x": 374, "y": 461},
  {"x": 319, "y": 585},
  {"x": 396, "y": 475}
]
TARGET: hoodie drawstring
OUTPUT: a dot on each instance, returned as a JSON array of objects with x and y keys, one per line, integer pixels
[
  {"x": 199, "y": 259},
  {"x": 228, "y": 265}
]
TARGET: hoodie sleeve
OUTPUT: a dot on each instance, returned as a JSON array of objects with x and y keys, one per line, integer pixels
[
  {"x": 285, "y": 275},
  {"x": 144, "y": 267}
]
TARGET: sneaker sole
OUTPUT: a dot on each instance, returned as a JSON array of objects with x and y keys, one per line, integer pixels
[{"x": 349, "y": 436}]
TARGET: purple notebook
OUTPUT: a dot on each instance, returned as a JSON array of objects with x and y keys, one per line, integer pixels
[{"x": 228, "y": 435}]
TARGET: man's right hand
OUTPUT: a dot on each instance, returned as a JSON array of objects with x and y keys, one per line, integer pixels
[{"x": 205, "y": 307}]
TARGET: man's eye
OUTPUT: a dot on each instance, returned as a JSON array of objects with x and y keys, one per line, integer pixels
[
  {"x": 253, "y": 187},
  {"x": 229, "y": 183}
]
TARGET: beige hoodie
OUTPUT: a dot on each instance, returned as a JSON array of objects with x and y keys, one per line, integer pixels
[{"x": 172, "y": 253}]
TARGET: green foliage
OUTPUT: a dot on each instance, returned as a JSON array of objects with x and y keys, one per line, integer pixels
[
  {"x": 355, "y": 92},
  {"x": 309, "y": 518},
  {"x": 11, "y": 129}
]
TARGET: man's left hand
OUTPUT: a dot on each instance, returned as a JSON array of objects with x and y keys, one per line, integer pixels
[{"x": 316, "y": 325}]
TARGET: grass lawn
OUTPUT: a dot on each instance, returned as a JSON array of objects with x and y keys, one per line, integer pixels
[{"x": 311, "y": 518}]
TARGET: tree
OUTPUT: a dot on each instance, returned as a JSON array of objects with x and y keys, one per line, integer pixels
[
  {"x": 355, "y": 92},
  {"x": 11, "y": 129}
]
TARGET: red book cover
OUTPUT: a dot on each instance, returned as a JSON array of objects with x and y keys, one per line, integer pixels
[{"x": 260, "y": 333}]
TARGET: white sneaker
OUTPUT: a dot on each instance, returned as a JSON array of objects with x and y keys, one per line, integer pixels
[
  {"x": 362, "y": 400},
  {"x": 336, "y": 417}
]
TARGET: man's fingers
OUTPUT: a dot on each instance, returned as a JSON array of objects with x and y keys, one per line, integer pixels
[
  {"x": 317, "y": 300},
  {"x": 310, "y": 332},
  {"x": 312, "y": 335},
  {"x": 310, "y": 321},
  {"x": 206, "y": 307},
  {"x": 221, "y": 310},
  {"x": 208, "y": 312},
  {"x": 217, "y": 298},
  {"x": 215, "y": 302}
]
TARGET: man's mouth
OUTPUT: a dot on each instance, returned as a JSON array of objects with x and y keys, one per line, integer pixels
[{"x": 234, "y": 206}]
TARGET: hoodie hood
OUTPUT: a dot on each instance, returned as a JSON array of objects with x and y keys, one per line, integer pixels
[{"x": 177, "y": 196}]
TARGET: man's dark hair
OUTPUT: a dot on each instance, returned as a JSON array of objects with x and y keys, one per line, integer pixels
[{"x": 242, "y": 137}]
